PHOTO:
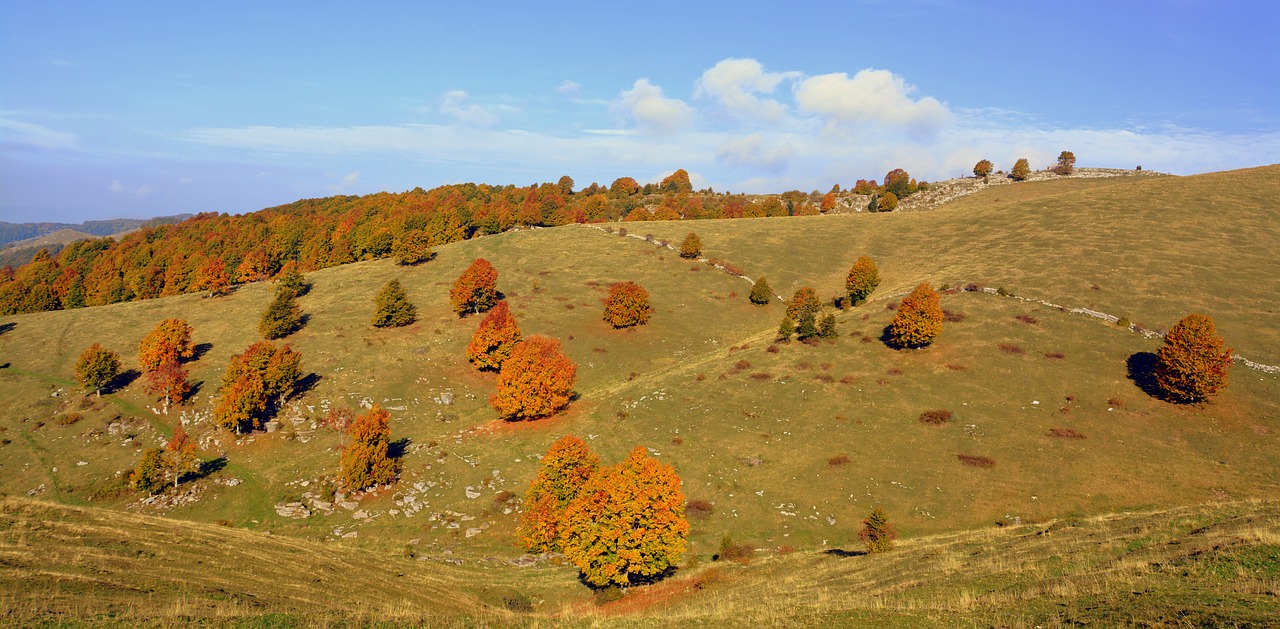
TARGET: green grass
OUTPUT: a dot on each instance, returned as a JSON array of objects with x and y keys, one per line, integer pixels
[{"x": 755, "y": 440}]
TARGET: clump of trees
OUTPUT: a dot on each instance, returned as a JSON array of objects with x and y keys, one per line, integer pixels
[
  {"x": 97, "y": 367},
  {"x": 161, "y": 354},
  {"x": 476, "y": 290},
  {"x": 877, "y": 533},
  {"x": 691, "y": 248},
  {"x": 412, "y": 247},
  {"x": 1066, "y": 163},
  {"x": 618, "y": 524},
  {"x": 627, "y": 305},
  {"x": 392, "y": 308},
  {"x": 1192, "y": 365},
  {"x": 176, "y": 459},
  {"x": 254, "y": 384},
  {"x": 1021, "y": 170},
  {"x": 863, "y": 278},
  {"x": 494, "y": 340},
  {"x": 366, "y": 460},
  {"x": 760, "y": 292},
  {"x": 535, "y": 381},
  {"x": 918, "y": 320}
]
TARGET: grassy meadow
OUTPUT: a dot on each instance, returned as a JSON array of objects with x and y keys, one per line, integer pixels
[{"x": 782, "y": 446}]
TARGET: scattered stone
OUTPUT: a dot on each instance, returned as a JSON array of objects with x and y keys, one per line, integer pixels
[
  {"x": 348, "y": 505},
  {"x": 472, "y": 493},
  {"x": 360, "y": 515},
  {"x": 473, "y": 532},
  {"x": 295, "y": 510},
  {"x": 81, "y": 463}
]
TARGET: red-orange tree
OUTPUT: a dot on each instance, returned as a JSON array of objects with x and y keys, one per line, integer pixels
[
  {"x": 253, "y": 384},
  {"x": 536, "y": 381},
  {"x": 627, "y": 305},
  {"x": 169, "y": 341},
  {"x": 169, "y": 383},
  {"x": 1192, "y": 365},
  {"x": 918, "y": 320},
  {"x": 493, "y": 341},
  {"x": 476, "y": 290},
  {"x": 365, "y": 460},
  {"x": 627, "y": 523},
  {"x": 180, "y": 455},
  {"x": 566, "y": 468}
]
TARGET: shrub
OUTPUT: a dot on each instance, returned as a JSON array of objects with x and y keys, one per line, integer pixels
[
  {"x": 976, "y": 461},
  {"x": 699, "y": 509},
  {"x": 169, "y": 341},
  {"x": 877, "y": 533},
  {"x": 1055, "y": 355},
  {"x": 535, "y": 381},
  {"x": 475, "y": 290},
  {"x": 282, "y": 318},
  {"x": 1124, "y": 322},
  {"x": 691, "y": 247},
  {"x": 1027, "y": 319},
  {"x": 627, "y": 305},
  {"x": 1192, "y": 365},
  {"x": 760, "y": 292},
  {"x": 729, "y": 551},
  {"x": 950, "y": 316},
  {"x": 936, "y": 417},
  {"x": 1065, "y": 433},
  {"x": 983, "y": 168},
  {"x": 863, "y": 278},
  {"x": 888, "y": 202},
  {"x": 392, "y": 308},
  {"x": 918, "y": 320},
  {"x": 566, "y": 468},
  {"x": 494, "y": 340},
  {"x": 838, "y": 460},
  {"x": 1010, "y": 348},
  {"x": 365, "y": 460},
  {"x": 97, "y": 367},
  {"x": 1021, "y": 170}
]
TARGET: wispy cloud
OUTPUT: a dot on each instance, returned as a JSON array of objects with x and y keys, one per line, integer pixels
[
  {"x": 34, "y": 136},
  {"x": 456, "y": 104},
  {"x": 137, "y": 192}
]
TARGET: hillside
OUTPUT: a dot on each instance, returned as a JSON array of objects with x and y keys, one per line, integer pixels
[
  {"x": 13, "y": 232},
  {"x": 755, "y": 434}
]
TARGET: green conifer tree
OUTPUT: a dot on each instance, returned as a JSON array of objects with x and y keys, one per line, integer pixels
[{"x": 392, "y": 307}]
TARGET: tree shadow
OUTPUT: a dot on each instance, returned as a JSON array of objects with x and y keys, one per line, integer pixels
[
  {"x": 397, "y": 448},
  {"x": 1142, "y": 371},
  {"x": 192, "y": 392},
  {"x": 634, "y": 580},
  {"x": 6, "y": 327},
  {"x": 124, "y": 379},
  {"x": 200, "y": 350},
  {"x": 886, "y": 337},
  {"x": 207, "y": 468},
  {"x": 306, "y": 384},
  {"x": 836, "y": 552}
]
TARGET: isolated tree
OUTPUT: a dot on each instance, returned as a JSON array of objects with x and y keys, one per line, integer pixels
[
  {"x": 677, "y": 182},
  {"x": 805, "y": 298},
  {"x": 536, "y": 381},
  {"x": 786, "y": 329},
  {"x": 97, "y": 367},
  {"x": 760, "y": 292},
  {"x": 983, "y": 168},
  {"x": 493, "y": 341},
  {"x": 281, "y": 318},
  {"x": 413, "y": 246},
  {"x": 827, "y": 325},
  {"x": 627, "y": 305},
  {"x": 169, "y": 383},
  {"x": 864, "y": 277},
  {"x": 253, "y": 384},
  {"x": 392, "y": 307},
  {"x": 877, "y": 533},
  {"x": 897, "y": 182},
  {"x": 476, "y": 290},
  {"x": 1192, "y": 365},
  {"x": 148, "y": 476},
  {"x": 1066, "y": 163},
  {"x": 887, "y": 202},
  {"x": 1021, "y": 170},
  {"x": 627, "y": 523},
  {"x": 290, "y": 279},
  {"x": 365, "y": 461},
  {"x": 169, "y": 341},
  {"x": 918, "y": 320},
  {"x": 180, "y": 455},
  {"x": 566, "y": 468},
  {"x": 691, "y": 248}
]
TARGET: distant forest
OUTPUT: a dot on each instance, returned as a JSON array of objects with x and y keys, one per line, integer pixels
[{"x": 13, "y": 232}]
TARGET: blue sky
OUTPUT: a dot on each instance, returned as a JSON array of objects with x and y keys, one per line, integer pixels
[{"x": 134, "y": 109}]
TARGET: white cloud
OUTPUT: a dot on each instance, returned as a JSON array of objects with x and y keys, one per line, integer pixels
[
  {"x": 117, "y": 187},
  {"x": 569, "y": 88},
  {"x": 456, "y": 104},
  {"x": 34, "y": 135},
  {"x": 870, "y": 97},
  {"x": 736, "y": 84},
  {"x": 754, "y": 151},
  {"x": 651, "y": 109}
]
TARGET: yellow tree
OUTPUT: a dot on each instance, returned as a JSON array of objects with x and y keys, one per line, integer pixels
[{"x": 566, "y": 468}]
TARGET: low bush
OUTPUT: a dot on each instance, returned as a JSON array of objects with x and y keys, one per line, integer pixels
[
  {"x": 838, "y": 460},
  {"x": 1010, "y": 348},
  {"x": 729, "y": 551},
  {"x": 1027, "y": 319},
  {"x": 936, "y": 417},
  {"x": 976, "y": 461},
  {"x": 699, "y": 509},
  {"x": 1065, "y": 433},
  {"x": 953, "y": 317},
  {"x": 1055, "y": 355}
]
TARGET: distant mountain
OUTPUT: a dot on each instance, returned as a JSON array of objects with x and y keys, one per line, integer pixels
[{"x": 13, "y": 232}]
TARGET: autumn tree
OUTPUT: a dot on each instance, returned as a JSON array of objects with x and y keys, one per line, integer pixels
[
  {"x": 918, "y": 320},
  {"x": 677, "y": 182},
  {"x": 760, "y": 292},
  {"x": 214, "y": 278},
  {"x": 476, "y": 290},
  {"x": 148, "y": 476},
  {"x": 983, "y": 168},
  {"x": 536, "y": 381},
  {"x": 1066, "y": 163},
  {"x": 365, "y": 457},
  {"x": 887, "y": 202},
  {"x": 627, "y": 305},
  {"x": 897, "y": 182},
  {"x": 566, "y": 468},
  {"x": 623, "y": 187},
  {"x": 254, "y": 383},
  {"x": 281, "y": 318},
  {"x": 392, "y": 307},
  {"x": 863, "y": 278},
  {"x": 180, "y": 455},
  {"x": 169, "y": 341},
  {"x": 169, "y": 383},
  {"x": 691, "y": 248},
  {"x": 565, "y": 184},
  {"x": 97, "y": 367},
  {"x": 493, "y": 341},
  {"x": 1192, "y": 365},
  {"x": 1021, "y": 170},
  {"x": 828, "y": 201},
  {"x": 805, "y": 298},
  {"x": 627, "y": 522},
  {"x": 413, "y": 246},
  {"x": 877, "y": 533},
  {"x": 290, "y": 279}
]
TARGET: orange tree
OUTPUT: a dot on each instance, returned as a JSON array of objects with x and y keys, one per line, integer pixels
[
  {"x": 180, "y": 455},
  {"x": 536, "y": 381},
  {"x": 919, "y": 318},
  {"x": 566, "y": 468},
  {"x": 254, "y": 383},
  {"x": 863, "y": 278},
  {"x": 983, "y": 168},
  {"x": 169, "y": 341},
  {"x": 365, "y": 460},
  {"x": 805, "y": 298},
  {"x": 691, "y": 247},
  {"x": 476, "y": 290},
  {"x": 1192, "y": 365},
  {"x": 169, "y": 383},
  {"x": 627, "y": 523},
  {"x": 1021, "y": 170},
  {"x": 412, "y": 247},
  {"x": 493, "y": 341},
  {"x": 627, "y": 305}
]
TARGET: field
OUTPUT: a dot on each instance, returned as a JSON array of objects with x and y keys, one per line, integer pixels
[{"x": 783, "y": 446}]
